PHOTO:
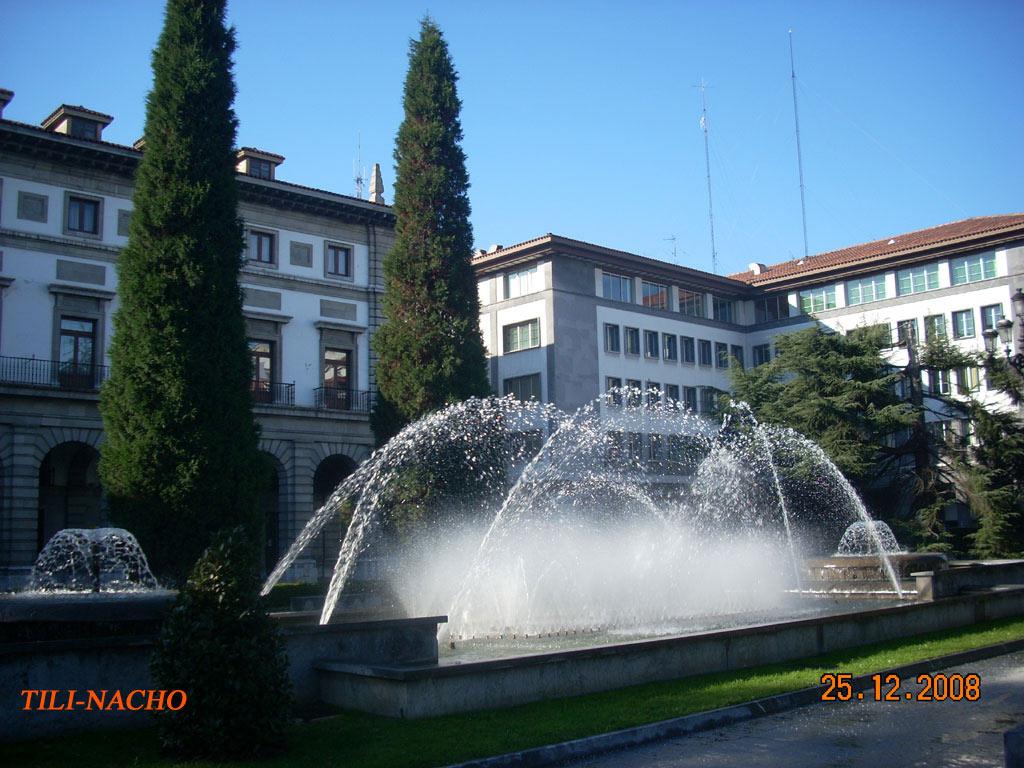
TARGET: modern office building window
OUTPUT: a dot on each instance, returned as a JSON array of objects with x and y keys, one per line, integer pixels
[
  {"x": 818, "y": 299},
  {"x": 990, "y": 315},
  {"x": 654, "y": 295},
  {"x": 934, "y": 327},
  {"x": 672, "y": 394},
  {"x": 917, "y": 279},
  {"x": 338, "y": 260},
  {"x": 688, "y": 349},
  {"x": 690, "y": 398},
  {"x": 865, "y": 290},
  {"x": 612, "y": 341},
  {"x": 963, "y": 324},
  {"x": 522, "y": 282},
  {"x": 722, "y": 309},
  {"x": 906, "y": 331},
  {"x": 737, "y": 355},
  {"x": 83, "y": 215},
  {"x": 632, "y": 338},
  {"x": 762, "y": 353},
  {"x": 670, "y": 347},
  {"x": 770, "y": 308},
  {"x": 721, "y": 355},
  {"x": 971, "y": 269},
  {"x": 651, "y": 350},
  {"x": 523, "y": 388},
  {"x": 618, "y": 288},
  {"x": 520, "y": 336},
  {"x": 705, "y": 352},
  {"x": 634, "y": 390},
  {"x": 613, "y": 386},
  {"x": 262, "y": 247},
  {"x": 708, "y": 400},
  {"x": 653, "y": 394},
  {"x": 692, "y": 303}
]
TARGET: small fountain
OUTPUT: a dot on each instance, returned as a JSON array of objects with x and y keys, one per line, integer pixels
[
  {"x": 91, "y": 560},
  {"x": 859, "y": 539}
]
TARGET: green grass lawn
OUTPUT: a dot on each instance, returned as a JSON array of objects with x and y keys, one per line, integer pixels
[{"x": 369, "y": 741}]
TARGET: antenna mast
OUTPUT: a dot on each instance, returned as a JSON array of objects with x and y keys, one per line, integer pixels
[
  {"x": 707, "y": 165},
  {"x": 799, "y": 156},
  {"x": 358, "y": 169}
]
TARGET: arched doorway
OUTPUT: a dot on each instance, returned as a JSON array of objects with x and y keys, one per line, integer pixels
[
  {"x": 270, "y": 508},
  {"x": 327, "y": 477},
  {"x": 70, "y": 495}
]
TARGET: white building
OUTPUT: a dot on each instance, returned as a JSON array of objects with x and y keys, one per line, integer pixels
[
  {"x": 564, "y": 320},
  {"x": 312, "y": 283}
]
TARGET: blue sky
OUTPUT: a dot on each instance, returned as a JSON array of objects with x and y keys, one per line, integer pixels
[{"x": 581, "y": 118}]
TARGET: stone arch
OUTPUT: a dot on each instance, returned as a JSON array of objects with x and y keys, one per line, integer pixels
[
  {"x": 329, "y": 473},
  {"x": 272, "y": 506},
  {"x": 70, "y": 495}
]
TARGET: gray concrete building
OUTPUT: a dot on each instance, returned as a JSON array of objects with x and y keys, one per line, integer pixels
[{"x": 312, "y": 283}]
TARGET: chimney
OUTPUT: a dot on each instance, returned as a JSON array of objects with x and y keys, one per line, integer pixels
[
  {"x": 77, "y": 122},
  {"x": 756, "y": 267},
  {"x": 257, "y": 163},
  {"x": 5, "y": 98},
  {"x": 494, "y": 248},
  {"x": 376, "y": 186}
]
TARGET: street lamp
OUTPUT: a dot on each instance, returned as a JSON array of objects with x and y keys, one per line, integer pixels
[
  {"x": 1005, "y": 330},
  {"x": 990, "y": 335}
]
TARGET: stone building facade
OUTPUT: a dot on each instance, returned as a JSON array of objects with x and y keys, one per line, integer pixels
[{"x": 312, "y": 283}]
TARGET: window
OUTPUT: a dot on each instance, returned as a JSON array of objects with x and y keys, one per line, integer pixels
[
  {"x": 762, "y": 354},
  {"x": 971, "y": 269},
  {"x": 672, "y": 394},
  {"x": 83, "y": 215},
  {"x": 689, "y": 355},
  {"x": 906, "y": 331},
  {"x": 613, "y": 386},
  {"x": 705, "y": 352},
  {"x": 934, "y": 327},
  {"x": 523, "y": 388},
  {"x": 83, "y": 129},
  {"x": 770, "y": 308},
  {"x": 865, "y": 290},
  {"x": 670, "y": 347},
  {"x": 262, "y": 247},
  {"x": 963, "y": 324},
  {"x": 692, "y": 303},
  {"x": 721, "y": 355},
  {"x": 737, "y": 355},
  {"x": 337, "y": 378},
  {"x": 612, "y": 342},
  {"x": 77, "y": 349},
  {"x": 967, "y": 380},
  {"x": 708, "y": 400},
  {"x": 722, "y": 309},
  {"x": 818, "y": 299},
  {"x": 651, "y": 345},
  {"x": 655, "y": 445},
  {"x": 522, "y": 282},
  {"x": 260, "y": 169},
  {"x": 991, "y": 315},
  {"x": 917, "y": 279},
  {"x": 337, "y": 260},
  {"x": 938, "y": 382},
  {"x": 632, "y": 341},
  {"x": 520, "y": 336},
  {"x": 633, "y": 387},
  {"x": 261, "y": 356},
  {"x": 654, "y": 295},
  {"x": 653, "y": 393},
  {"x": 618, "y": 288},
  {"x": 690, "y": 398}
]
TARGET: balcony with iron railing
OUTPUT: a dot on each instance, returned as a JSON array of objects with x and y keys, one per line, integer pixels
[
  {"x": 71, "y": 376},
  {"x": 341, "y": 399},
  {"x": 272, "y": 392}
]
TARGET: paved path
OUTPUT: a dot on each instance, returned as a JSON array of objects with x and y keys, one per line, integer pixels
[{"x": 855, "y": 734}]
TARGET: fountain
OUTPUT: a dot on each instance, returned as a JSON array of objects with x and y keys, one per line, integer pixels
[
  {"x": 632, "y": 516},
  {"x": 91, "y": 560}
]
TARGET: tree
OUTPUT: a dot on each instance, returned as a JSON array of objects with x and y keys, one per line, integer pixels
[
  {"x": 180, "y": 459},
  {"x": 221, "y": 648},
  {"x": 430, "y": 350}
]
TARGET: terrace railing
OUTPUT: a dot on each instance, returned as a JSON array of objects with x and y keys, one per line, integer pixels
[
  {"x": 340, "y": 399},
  {"x": 52, "y": 374}
]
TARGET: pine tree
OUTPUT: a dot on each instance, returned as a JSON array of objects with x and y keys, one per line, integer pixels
[
  {"x": 180, "y": 459},
  {"x": 430, "y": 348}
]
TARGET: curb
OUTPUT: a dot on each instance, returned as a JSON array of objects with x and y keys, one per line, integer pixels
[{"x": 553, "y": 754}]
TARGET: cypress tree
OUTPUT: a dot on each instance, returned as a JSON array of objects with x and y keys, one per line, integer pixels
[
  {"x": 180, "y": 459},
  {"x": 429, "y": 346}
]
